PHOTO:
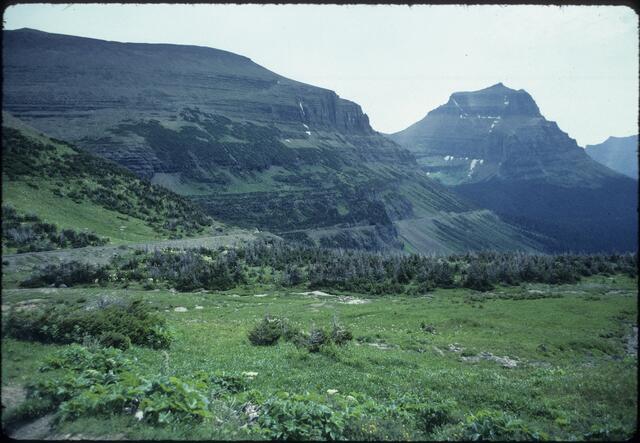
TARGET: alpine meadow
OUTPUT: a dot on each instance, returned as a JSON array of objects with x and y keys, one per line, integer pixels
[{"x": 195, "y": 247}]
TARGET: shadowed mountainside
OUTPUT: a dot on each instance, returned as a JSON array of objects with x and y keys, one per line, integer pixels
[
  {"x": 494, "y": 147},
  {"x": 617, "y": 153},
  {"x": 251, "y": 147}
]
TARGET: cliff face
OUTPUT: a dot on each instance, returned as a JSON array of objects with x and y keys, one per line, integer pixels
[
  {"x": 50, "y": 75},
  {"x": 494, "y": 147}
]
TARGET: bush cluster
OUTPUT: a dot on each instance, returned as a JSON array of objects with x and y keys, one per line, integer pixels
[
  {"x": 114, "y": 325},
  {"x": 351, "y": 417},
  {"x": 488, "y": 425},
  {"x": 270, "y": 329},
  {"x": 377, "y": 274},
  {"x": 184, "y": 270},
  {"x": 271, "y": 261},
  {"x": 28, "y": 233},
  {"x": 103, "y": 382},
  {"x": 68, "y": 274}
]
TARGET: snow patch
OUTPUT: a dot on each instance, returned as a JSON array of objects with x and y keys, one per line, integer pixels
[
  {"x": 448, "y": 157},
  {"x": 474, "y": 162},
  {"x": 307, "y": 132},
  {"x": 464, "y": 114},
  {"x": 305, "y": 126},
  {"x": 301, "y": 108}
]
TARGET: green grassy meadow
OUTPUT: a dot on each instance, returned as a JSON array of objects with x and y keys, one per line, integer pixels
[
  {"x": 66, "y": 213},
  {"x": 574, "y": 373}
]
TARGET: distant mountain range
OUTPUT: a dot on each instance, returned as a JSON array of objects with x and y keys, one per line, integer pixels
[
  {"x": 494, "y": 147},
  {"x": 253, "y": 148},
  {"x": 617, "y": 153}
]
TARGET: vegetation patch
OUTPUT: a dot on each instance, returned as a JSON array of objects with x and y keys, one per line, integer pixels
[
  {"x": 85, "y": 178},
  {"x": 113, "y": 324},
  {"x": 270, "y": 329},
  {"x": 28, "y": 233}
]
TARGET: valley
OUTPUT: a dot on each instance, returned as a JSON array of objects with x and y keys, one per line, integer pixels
[{"x": 195, "y": 247}]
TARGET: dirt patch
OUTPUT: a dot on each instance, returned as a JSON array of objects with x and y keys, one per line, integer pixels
[
  {"x": 632, "y": 342},
  {"x": 381, "y": 345},
  {"x": 315, "y": 293},
  {"x": 36, "y": 430},
  {"x": 27, "y": 305},
  {"x": 352, "y": 300},
  {"x": 505, "y": 362},
  {"x": 12, "y": 396}
]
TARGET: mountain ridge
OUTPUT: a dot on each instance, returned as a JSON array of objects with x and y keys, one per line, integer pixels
[
  {"x": 253, "y": 148},
  {"x": 494, "y": 147},
  {"x": 617, "y": 153}
]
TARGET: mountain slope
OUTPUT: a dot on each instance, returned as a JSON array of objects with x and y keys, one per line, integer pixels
[
  {"x": 47, "y": 180},
  {"x": 251, "y": 147},
  {"x": 617, "y": 153},
  {"x": 495, "y": 147}
]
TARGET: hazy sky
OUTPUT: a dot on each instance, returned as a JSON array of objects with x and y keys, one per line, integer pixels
[{"x": 580, "y": 63}]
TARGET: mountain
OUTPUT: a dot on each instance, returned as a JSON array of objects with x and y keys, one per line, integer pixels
[
  {"x": 495, "y": 147},
  {"x": 49, "y": 185},
  {"x": 617, "y": 153},
  {"x": 254, "y": 149}
]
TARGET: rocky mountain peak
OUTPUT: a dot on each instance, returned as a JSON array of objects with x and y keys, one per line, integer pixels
[
  {"x": 494, "y": 101},
  {"x": 496, "y": 132}
]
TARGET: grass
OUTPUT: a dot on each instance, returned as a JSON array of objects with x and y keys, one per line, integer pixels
[
  {"x": 580, "y": 377},
  {"x": 86, "y": 215}
]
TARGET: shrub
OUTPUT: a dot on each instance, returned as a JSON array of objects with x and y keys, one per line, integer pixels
[
  {"x": 27, "y": 233},
  {"x": 115, "y": 340},
  {"x": 69, "y": 274},
  {"x": 339, "y": 334},
  {"x": 227, "y": 383},
  {"x": 317, "y": 338},
  {"x": 267, "y": 332},
  {"x": 493, "y": 425},
  {"x": 104, "y": 382},
  {"x": 62, "y": 324},
  {"x": 271, "y": 329},
  {"x": 352, "y": 417},
  {"x": 299, "y": 418},
  {"x": 429, "y": 414}
]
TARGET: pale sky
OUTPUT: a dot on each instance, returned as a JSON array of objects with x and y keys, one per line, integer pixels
[{"x": 580, "y": 63}]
